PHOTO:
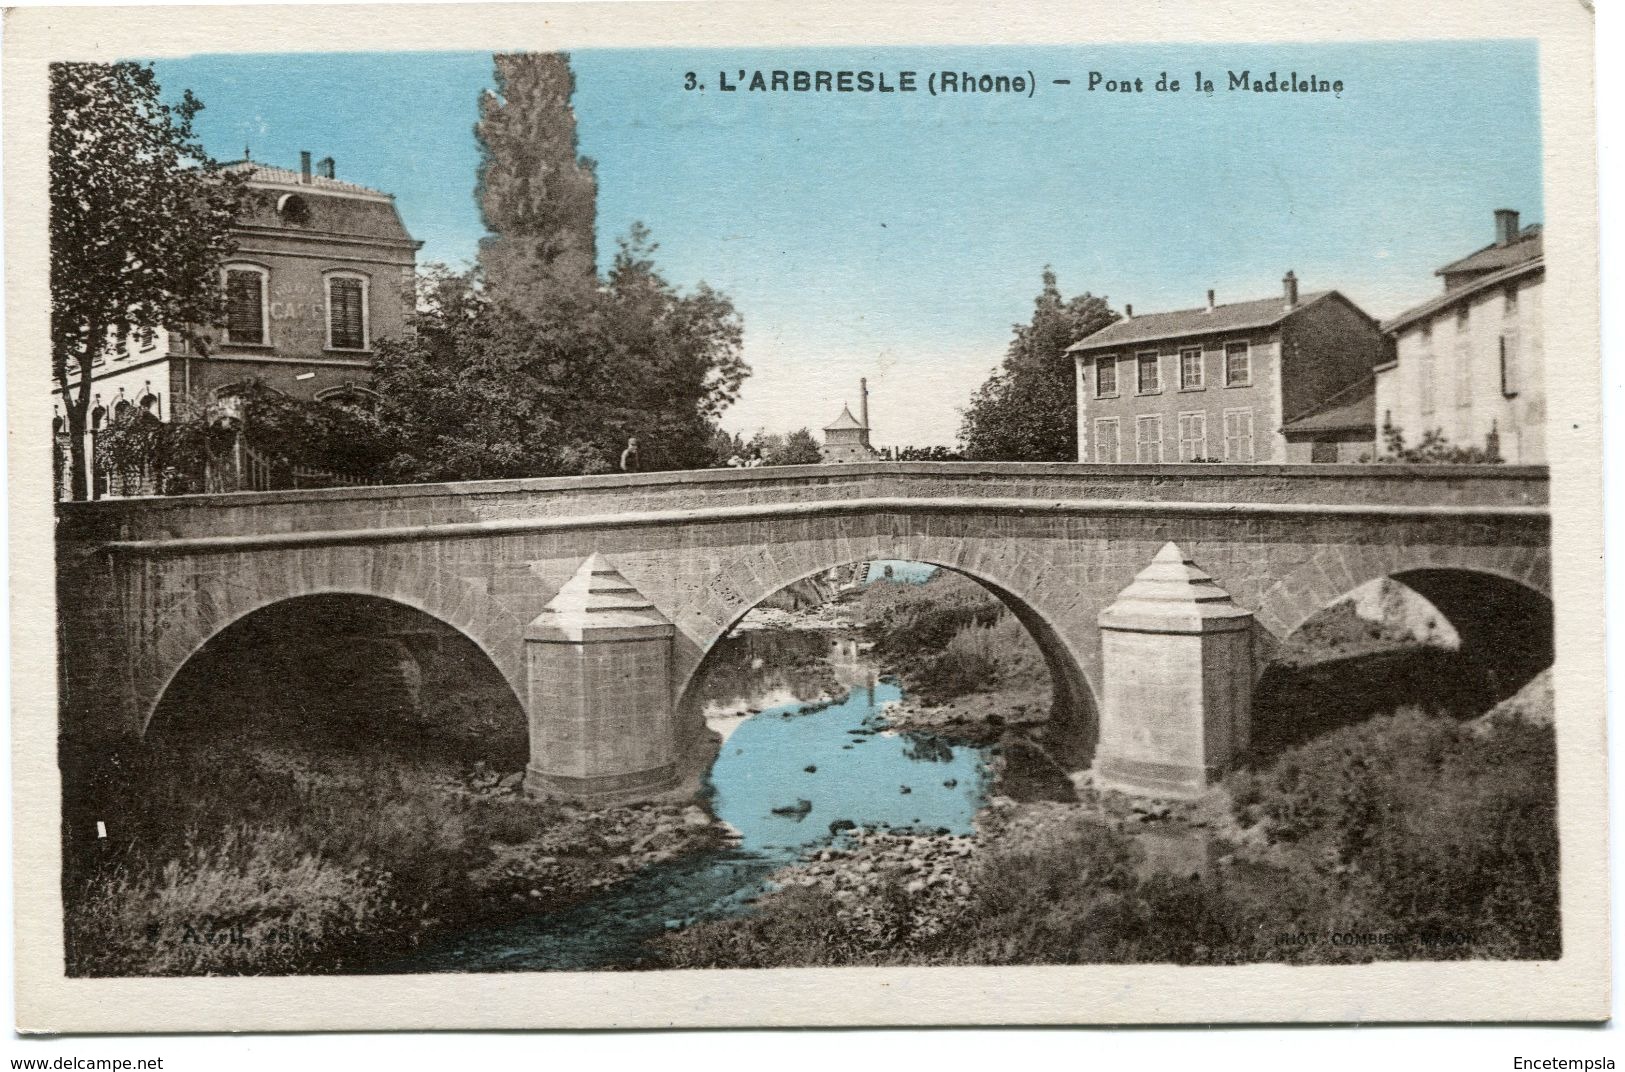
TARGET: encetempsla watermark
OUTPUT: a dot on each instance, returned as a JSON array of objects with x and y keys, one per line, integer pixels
[{"x": 1580, "y": 1064}]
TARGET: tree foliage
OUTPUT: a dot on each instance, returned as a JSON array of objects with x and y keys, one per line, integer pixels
[
  {"x": 1027, "y": 410},
  {"x": 799, "y": 447},
  {"x": 532, "y": 364},
  {"x": 1435, "y": 448},
  {"x": 487, "y": 390},
  {"x": 935, "y": 453},
  {"x": 140, "y": 220},
  {"x": 537, "y": 195}
]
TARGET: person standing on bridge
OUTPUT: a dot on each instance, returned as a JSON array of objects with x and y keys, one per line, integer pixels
[{"x": 629, "y": 456}]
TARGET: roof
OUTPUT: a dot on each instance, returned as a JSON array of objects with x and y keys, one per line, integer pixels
[
  {"x": 1235, "y": 316},
  {"x": 325, "y": 206},
  {"x": 264, "y": 174},
  {"x": 1526, "y": 246},
  {"x": 1466, "y": 290},
  {"x": 845, "y": 420},
  {"x": 1354, "y": 408}
]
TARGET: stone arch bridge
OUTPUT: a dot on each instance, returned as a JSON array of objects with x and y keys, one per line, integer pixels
[{"x": 597, "y": 598}]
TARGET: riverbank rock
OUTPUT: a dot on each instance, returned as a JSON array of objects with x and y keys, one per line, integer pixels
[
  {"x": 1532, "y": 704},
  {"x": 889, "y": 880}
]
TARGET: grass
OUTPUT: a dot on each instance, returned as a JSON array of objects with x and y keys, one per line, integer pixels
[{"x": 276, "y": 848}]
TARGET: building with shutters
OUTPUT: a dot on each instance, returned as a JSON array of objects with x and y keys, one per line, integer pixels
[
  {"x": 1469, "y": 363},
  {"x": 1224, "y": 382},
  {"x": 323, "y": 271}
]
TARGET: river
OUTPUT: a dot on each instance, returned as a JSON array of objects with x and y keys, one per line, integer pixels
[{"x": 805, "y": 754}]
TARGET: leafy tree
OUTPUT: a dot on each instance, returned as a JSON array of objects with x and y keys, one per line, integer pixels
[
  {"x": 930, "y": 454},
  {"x": 1435, "y": 448},
  {"x": 533, "y": 365},
  {"x": 537, "y": 195},
  {"x": 485, "y": 390},
  {"x": 1027, "y": 410},
  {"x": 724, "y": 446},
  {"x": 140, "y": 220},
  {"x": 799, "y": 447}
]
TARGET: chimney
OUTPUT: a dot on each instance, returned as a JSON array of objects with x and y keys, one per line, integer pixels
[
  {"x": 324, "y": 168},
  {"x": 304, "y": 166},
  {"x": 1210, "y": 301},
  {"x": 1128, "y": 311},
  {"x": 1290, "y": 283},
  {"x": 1506, "y": 226},
  {"x": 863, "y": 407}
]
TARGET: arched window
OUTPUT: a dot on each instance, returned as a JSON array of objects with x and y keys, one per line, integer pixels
[
  {"x": 347, "y": 314},
  {"x": 149, "y": 403},
  {"x": 247, "y": 313},
  {"x": 292, "y": 209},
  {"x": 351, "y": 396},
  {"x": 98, "y": 417}
]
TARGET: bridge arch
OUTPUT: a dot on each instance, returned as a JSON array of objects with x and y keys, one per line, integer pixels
[
  {"x": 1016, "y": 579},
  {"x": 1504, "y": 638},
  {"x": 1333, "y": 573},
  {"x": 368, "y": 660},
  {"x": 191, "y": 623}
]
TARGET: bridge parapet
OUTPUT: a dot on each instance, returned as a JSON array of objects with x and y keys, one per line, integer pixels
[{"x": 739, "y": 491}]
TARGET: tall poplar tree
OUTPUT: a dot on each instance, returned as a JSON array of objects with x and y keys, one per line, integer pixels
[
  {"x": 1027, "y": 411},
  {"x": 537, "y": 194},
  {"x": 535, "y": 364},
  {"x": 140, "y": 220}
]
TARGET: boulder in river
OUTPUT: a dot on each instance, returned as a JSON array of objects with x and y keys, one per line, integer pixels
[
  {"x": 800, "y": 808},
  {"x": 842, "y": 824},
  {"x": 811, "y": 768}
]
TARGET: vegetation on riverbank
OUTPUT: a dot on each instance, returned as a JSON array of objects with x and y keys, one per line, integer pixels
[
  {"x": 307, "y": 843},
  {"x": 969, "y": 665},
  {"x": 1407, "y": 837}
]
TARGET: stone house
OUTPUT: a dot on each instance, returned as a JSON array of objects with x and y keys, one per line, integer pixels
[
  {"x": 323, "y": 270},
  {"x": 1226, "y": 382},
  {"x": 1470, "y": 363}
]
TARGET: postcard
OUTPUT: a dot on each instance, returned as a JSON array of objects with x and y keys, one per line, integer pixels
[{"x": 699, "y": 514}]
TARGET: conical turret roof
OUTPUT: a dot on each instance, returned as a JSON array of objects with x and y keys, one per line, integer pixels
[{"x": 844, "y": 421}]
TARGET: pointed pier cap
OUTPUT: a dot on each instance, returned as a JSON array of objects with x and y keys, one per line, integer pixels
[
  {"x": 598, "y": 604},
  {"x": 1172, "y": 595}
]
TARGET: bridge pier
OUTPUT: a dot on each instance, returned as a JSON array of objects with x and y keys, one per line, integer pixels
[
  {"x": 1177, "y": 663},
  {"x": 598, "y": 666}
]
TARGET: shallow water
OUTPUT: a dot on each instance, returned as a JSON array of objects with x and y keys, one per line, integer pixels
[{"x": 762, "y": 788}]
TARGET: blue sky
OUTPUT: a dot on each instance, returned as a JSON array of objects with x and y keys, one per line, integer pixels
[{"x": 899, "y": 236}]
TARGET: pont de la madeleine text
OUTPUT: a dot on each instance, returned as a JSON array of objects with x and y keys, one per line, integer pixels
[{"x": 1247, "y": 81}]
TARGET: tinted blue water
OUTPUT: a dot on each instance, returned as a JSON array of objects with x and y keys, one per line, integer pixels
[
  {"x": 899, "y": 571},
  {"x": 763, "y": 788},
  {"x": 858, "y": 775}
]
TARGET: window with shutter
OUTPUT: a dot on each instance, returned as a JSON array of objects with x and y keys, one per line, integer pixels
[
  {"x": 1238, "y": 435},
  {"x": 1106, "y": 443},
  {"x": 1150, "y": 373},
  {"x": 1106, "y": 376},
  {"x": 1190, "y": 369},
  {"x": 1192, "y": 437},
  {"x": 1148, "y": 439},
  {"x": 346, "y": 313},
  {"x": 1238, "y": 364},
  {"x": 245, "y": 306}
]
